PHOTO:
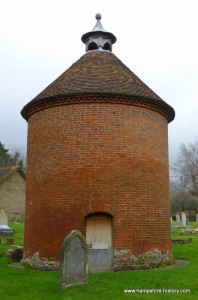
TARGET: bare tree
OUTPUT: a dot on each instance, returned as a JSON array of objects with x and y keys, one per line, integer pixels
[
  {"x": 18, "y": 157},
  {"x": 12, "y": 157},
  {"x": 187, "y": 166},
  {"x": 182, "y": 200}
]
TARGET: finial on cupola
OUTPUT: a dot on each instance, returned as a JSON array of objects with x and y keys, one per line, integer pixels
[{"x": 98, "y": 38}]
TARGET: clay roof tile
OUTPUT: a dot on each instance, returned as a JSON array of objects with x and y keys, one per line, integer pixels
[{"x": 97, "y": 73}]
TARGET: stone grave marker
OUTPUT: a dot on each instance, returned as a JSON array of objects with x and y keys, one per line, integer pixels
[
  {"x": 3, "y": 218},
  {"x": 183, "y": 219},
  {"x": 197, "y": 220},
  {"x": 178, "y": 220},
  {"x": 74, "y": 260}
]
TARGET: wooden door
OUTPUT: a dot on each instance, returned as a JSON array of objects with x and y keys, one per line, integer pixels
[{"x": 99, "y": 239}]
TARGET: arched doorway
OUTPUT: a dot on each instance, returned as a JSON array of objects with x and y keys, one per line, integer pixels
[{"x": 99, "y": 239}]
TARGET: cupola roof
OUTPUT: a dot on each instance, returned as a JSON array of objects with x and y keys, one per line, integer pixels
[{"x": 98, "y": 38}]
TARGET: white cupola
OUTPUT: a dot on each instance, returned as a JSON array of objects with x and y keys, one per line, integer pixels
[{"x": 98, "y": 38}]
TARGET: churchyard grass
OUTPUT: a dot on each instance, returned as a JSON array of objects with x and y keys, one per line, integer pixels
[{"x": 27, "y": 284}]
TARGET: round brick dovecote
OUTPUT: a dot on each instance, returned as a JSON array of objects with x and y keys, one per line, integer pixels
[{"x": 98, "y": 149}]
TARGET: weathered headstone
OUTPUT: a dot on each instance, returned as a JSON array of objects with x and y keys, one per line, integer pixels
[
  {"x": 197, "y": 220},
  {"x": 74, "y": 260},
  {"x": 183, "y": 219},
  {"x": 178, "y": 221},
  {"x": 3, "y": 217}
]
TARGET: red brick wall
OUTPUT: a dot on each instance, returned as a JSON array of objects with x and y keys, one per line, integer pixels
[{"x": 85, "y": 158}]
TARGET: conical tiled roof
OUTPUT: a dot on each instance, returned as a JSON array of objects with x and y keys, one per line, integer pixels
[{"x": 98, "y": 73}]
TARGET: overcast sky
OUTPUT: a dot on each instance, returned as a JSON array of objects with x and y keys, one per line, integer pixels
[{"x": 156, "y": 39}]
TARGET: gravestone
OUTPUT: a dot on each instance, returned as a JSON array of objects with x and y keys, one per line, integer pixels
[
  {"x": 178, "y": 221},
  {"x": 197, "y": 220},
  {"x": 183, "y": 219},
  {"x": 74, "y": 260},
  {"x": 3, "y": 217}
]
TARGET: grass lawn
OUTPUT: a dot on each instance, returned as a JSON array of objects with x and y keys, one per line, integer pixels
[{"x": 19, "y": 284}]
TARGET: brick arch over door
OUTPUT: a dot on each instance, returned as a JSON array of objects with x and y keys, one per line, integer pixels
[{"x": 97, "y": 206}]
